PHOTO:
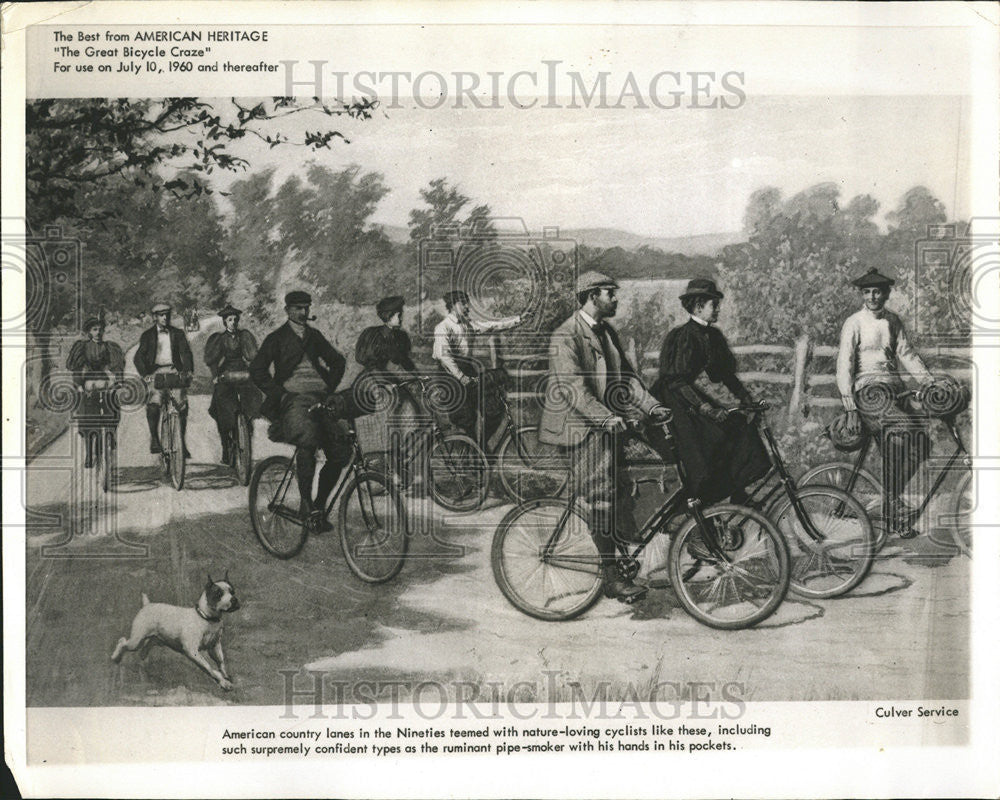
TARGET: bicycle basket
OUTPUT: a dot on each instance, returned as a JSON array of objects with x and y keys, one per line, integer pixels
[
  {"x": 838, "y": 434},
  {"x": 170, "y": 380}
]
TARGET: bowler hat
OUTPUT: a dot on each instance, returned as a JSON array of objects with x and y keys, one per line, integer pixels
[
  {"x": 229, "y": 311},
  {"x": 159, "y": 308},
  {"x": 388, "y": 307},
  {"x": 298, "y": 298},
  {"x": 456, "y": 296},
  {"x": 873, "y": 278},
  {"x": 702, "y": 287},
  {"x": 594, "y": 280},
  {"x": 92, "y": 322}
]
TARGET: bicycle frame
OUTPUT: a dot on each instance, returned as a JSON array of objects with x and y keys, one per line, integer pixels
[
  {"x": 655, "y": 523},
  {"x": 784, "y": 482},
  {"x": 959, "y": 453},
  {"x": 352, "y": 468}
]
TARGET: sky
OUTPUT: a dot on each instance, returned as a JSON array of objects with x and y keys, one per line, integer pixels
[{"x": 654, "y": 172}]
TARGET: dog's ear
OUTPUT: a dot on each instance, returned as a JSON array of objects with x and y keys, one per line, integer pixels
[
  {"x": 226, "y": 576},
  {"x": 210, "y": 581}
]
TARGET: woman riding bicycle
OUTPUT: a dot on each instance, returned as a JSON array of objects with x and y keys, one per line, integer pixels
[
  {"x": 95, "y": 363},
  {"x": 722, "y": 454},
  {"x": 228, "y": 353}
]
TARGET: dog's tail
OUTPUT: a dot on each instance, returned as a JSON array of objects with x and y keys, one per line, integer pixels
[{"x": 145, "y": 600}]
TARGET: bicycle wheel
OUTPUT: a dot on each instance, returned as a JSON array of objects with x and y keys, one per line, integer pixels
[
  {"x": 530, "y": 469},
  {"x": 106, "y": 459},
  {"x": 177, "y": 460},
  {"x": 841, "y": 556},
  {"x": 459, "y": 473},
  {"x": 962, "y": 506},
  {"x": 165, "y": 444},
  {"x": 741, "y": 590},
  {"x": 867, "y": 490},
  {"x": 373, "y": 531},
  {"x": 244, "y": 454},
  {"x": 559, "y": 586},
  {"x": 274, "y": 507}
]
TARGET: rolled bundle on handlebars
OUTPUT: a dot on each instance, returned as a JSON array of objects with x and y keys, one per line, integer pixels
[
  {"x": 234, "y": 376},
  {"x": 875, "y": 398},
  {"x": 171, "y": 380},
  {"x": 944, "y": 396}
]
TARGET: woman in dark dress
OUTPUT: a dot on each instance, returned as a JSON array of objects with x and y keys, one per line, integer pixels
[
  {"x": 722, "y": 454},
  {"x": 95, "y": 360}
]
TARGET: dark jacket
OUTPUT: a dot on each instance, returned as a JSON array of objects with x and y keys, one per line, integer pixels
[
  {"x": 719, "y": 458},
  {"x": 379, "y": 345},
  {"x": 282, "y": 349},
  {"x": 224, "y": 351},
  {"x": 145, "y": 354}
]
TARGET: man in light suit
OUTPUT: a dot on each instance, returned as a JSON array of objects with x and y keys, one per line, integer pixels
[{"x": 592, "y": 390}]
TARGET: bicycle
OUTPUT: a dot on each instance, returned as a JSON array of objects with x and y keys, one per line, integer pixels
[
  {"x": 527, "y": 468},
  {"x": 456, "y": 469},
  {"x": 104, "y": 462},
  {"x": 241, "y": 438},
  {"x": 373, "y": 530},
  {"x": 854, "y": 479},
  {"x": 830, "y": 536},
  {"x": 173, "y": 459},
  {"x": 729, "y": 566}
]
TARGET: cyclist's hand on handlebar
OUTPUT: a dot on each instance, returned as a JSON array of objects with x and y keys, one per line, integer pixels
[
  {"x": 615, "y": 424},
  {"x": 715, "y": 414},
  {"x": 659, "y": 415},
  {"x": 853, "y": 425}
]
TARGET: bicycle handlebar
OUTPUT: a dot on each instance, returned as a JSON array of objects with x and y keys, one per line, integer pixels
[{"x": 752, "y": 408}]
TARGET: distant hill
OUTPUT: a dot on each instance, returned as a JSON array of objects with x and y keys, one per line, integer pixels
[{"x": 706, "y": 244}]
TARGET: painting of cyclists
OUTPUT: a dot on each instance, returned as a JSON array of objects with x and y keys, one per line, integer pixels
[{"x": 565, "y": 401}]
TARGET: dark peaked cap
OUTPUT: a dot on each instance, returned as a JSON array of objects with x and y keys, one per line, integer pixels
[
  {"x": 298, "y": 298},
  {"x": 873, "y": 278}
]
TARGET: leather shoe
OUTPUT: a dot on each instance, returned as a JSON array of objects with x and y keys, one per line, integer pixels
[{"x": 621, "y": 589}]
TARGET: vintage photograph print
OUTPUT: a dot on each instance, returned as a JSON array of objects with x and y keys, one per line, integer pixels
[{"x": 568, "y": 382}]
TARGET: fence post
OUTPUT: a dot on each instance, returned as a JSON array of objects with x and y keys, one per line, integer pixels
[{"x": 798, "y": 403}]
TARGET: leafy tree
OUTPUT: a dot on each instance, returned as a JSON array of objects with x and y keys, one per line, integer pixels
[
  {"x": 324, "y": 220},
  {"x": 792, "y": 276},
  {"x": 444, "y": 214},
  {"x": 71, "y": 144}
]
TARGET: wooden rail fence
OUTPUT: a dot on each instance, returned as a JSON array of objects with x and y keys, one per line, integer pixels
[{"x": 806, "y": 378}]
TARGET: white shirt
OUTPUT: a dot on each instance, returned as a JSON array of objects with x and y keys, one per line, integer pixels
[
  {"x": 164, "y": 353},
  {"x": 872, "y": 347},
  {"x": 453, "y": 337}
]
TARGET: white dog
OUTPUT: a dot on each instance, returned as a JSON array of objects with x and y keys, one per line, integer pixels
[{"x": 191, "y": 631}]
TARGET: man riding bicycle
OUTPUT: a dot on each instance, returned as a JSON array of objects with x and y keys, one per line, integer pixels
[
  {"x": 873, "y": 345},
  {"x": 297, "y": 368},
  {"x": 227, "y": 353},
  {"x": 592, "y": 388},
  {"x": 453, "y": 340},
  {"x": 164, "y": 349},
  {"x": 95, "y": 361}
]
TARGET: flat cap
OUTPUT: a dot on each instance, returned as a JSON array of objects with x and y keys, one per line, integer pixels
[
  {"x": 594, "y": 280},
  {"x": 702, "y": 287},
  {"x": 229, "y": 311},
  {"x": 873, "y": 278},
  {"x": 388, "y": 307},
  {"x": 159, "y": 308},
  {"x": 298, "y": 298}
]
